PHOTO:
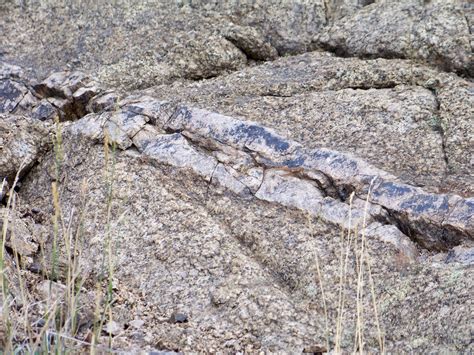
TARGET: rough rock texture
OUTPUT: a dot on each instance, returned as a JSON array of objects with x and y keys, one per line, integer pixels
[
  {"x": 23, "y": 235},
  {"x": 205, "y": 57},
  {"x": 136, "y": 45},
  {"x": 288, "y": 25},
  {"x": 239, "y": 203},
  {"x": 436, "y": 33},
  {"x": 244, "y": 271},
  {"x": 456, "y": 100},
  {"x": 359, "y": 106},
  {"x": 206, "y": 39},
  {"x": 237, "y": 147},
  {"x": 22, "y": 140}
]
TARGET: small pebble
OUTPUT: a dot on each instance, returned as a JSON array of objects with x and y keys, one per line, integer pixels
[{"x": 177, "y": 317}]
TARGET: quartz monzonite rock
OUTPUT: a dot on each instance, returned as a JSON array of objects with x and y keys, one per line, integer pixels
[{"x": 256, "y": 176}]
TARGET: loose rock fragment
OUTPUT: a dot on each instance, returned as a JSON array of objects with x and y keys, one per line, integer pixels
[
  {"x": 113, "y": 328},
  {"x": 45, "y": 111},
  {"x": 51, "y": 290},
  {"x": 315, "y": 349},
  {"x": 177, "y": 317},
  {"x": 68, "y": 92},
  {"x": 102, "y": 102}
]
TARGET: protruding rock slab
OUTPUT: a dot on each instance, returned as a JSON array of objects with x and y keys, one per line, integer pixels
[
  {"x": 405, "y": 118},
  {"x": 22, "y": 141},
  {"x": 250, "y": 41},
  {"x": 62, "y": 95},
  {"x": 68, "y": 92},
  {"x": 320, "y": 181},
  {"x": 11, "y": 94},
  {"x": 173, "y": 149},
  {"x": 200, "y": 58},
  {"x": 437, "y": 33}
]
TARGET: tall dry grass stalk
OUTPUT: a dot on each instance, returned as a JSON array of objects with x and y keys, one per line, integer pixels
[
  {"x": 60, "y": 317},
  {"x": 321, "y": 286},
  {"x": 353, "y": 241},
  {"x": 363, "y": 258},
  {"x": 345, "y": 249},
  {"x": 6, "y": 305},
  {"x": 106, "y": 315}
]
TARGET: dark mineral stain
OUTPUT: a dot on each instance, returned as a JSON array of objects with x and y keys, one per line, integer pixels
[
  {"x": 177, "y": 317},
  {"x": 182, "y": 111},
  {"x": 344, "y": 162},
  {"x": 8, "y": 91},
  {"x": 135, "y": 109},
  {"x": 163, "y": 143},
  {"x": 391, "y": 189},
  {"x": 321, "y": 155},
  {"x": 128, "y": 116},
  {"x": 470, "y": 205},
  {"x": 423, "y": 203},
  {"x": 294, "y": 163},
  {"x": 253, "y": 132}
]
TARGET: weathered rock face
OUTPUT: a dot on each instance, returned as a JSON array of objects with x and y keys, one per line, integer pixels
[
  {"x": 359, "y": 106},
  {"x": 237, "y": 201},
  {"x": 436, "y": 33},
  {"x": 239, "y": 147},
  {"x": 160, "y": 41},
  {"x": 288, "y": 25},
  {"x": 178, "y": 41},
  {"x": 242, "y": 269},
  {"x": 22, "y": 140}
]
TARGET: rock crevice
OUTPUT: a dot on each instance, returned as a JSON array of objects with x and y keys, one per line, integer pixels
[
  {"x": 286, "y": 172},
  {"x": 244, "y": 190}
]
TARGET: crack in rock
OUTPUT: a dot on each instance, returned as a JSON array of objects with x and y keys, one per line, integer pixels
[
  {"x": 222, "y": 149},
  {"x": 252, "y": 160}
]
